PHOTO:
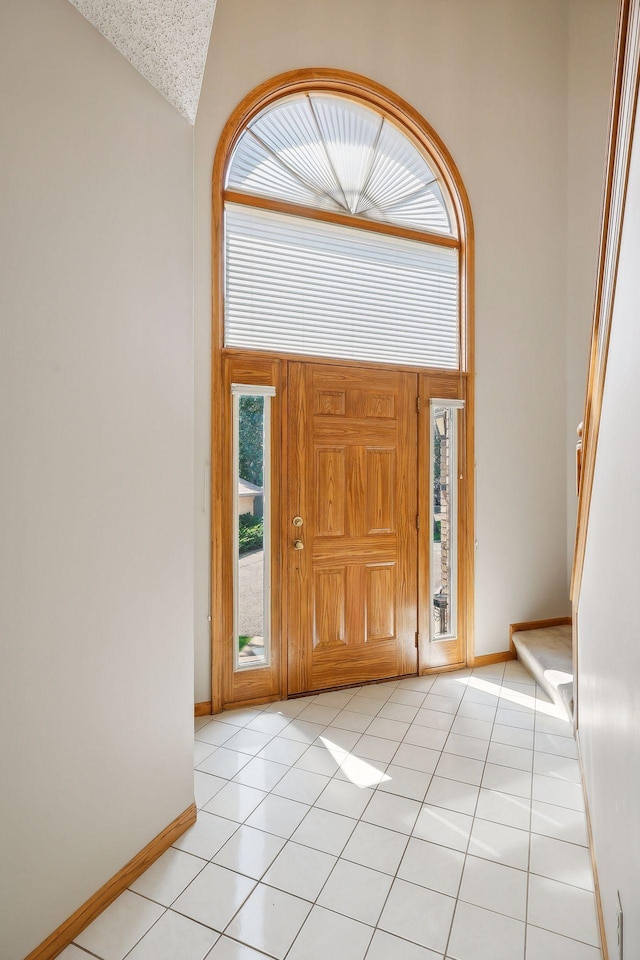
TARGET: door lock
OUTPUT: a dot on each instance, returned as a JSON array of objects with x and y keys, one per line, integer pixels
[
  {"x": 297, "y": 521},
  {"x": 298, "y": 545}
]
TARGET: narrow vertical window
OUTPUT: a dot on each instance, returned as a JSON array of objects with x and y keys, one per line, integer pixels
[
  {"x": 251, "y": 524},
  {"x": 444, "y": 518}
]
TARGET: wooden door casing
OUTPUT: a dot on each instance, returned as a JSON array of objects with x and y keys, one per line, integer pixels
[
  {"x": 263, "y": 684},
  {"x": 352, "y": 478},
  {"x": 231, "y": 686}
]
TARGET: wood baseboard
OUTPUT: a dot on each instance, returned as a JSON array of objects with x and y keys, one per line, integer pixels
[
  {"x": 535, "y": 625},
  {"x": 260, "y": 701},
  {"x": 69, "y": 930},
  {"x": 490, "y": 658},
  {"x": 592, "y": 854},
  {"x": 447, "y": 668},
  {"x": 202, "y": 709}
]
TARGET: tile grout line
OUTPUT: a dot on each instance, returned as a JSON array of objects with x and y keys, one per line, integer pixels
[
  {"x": 526, "y": 934},
  {"x": 394, "y": 876},
  {"x": 466, "y": 852},
  {"x": 359, "y": 820}
]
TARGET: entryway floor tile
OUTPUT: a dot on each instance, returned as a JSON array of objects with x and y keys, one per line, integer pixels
[
  {"x": 356, "y": 891},
  {"x": 174, "y": 936},
  {"x": 385, "y": 946},
  {"x": 432, "y": 866},
  {"x": 168, "y": 876},
  {"x": 330, "y": 935},
  {"x": 376, "y": 847},
  {"x": 249, "y": 851},
  {"x": 417, "y": 914},
  {"x": 112, "y": 935},
  {"x": 300, "y": 870},
  {"x": 434, "y": 818},
  {"x": 269, "y": 921},
  {"x": 479, "y": 934},
  {"x": 214, "y": 896}
]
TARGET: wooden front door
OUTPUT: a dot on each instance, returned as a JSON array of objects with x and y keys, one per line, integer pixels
[{"x": 352, "y": 561}]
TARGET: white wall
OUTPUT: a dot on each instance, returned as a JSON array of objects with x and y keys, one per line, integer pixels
[
  {"x": 609, "y": 635},
  {"x": 96, "y": 409},
  {"x": 592, "y": 27},
  {"x": 491, "y": 77}
]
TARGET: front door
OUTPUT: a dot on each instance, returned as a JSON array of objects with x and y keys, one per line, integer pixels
[{"x": 352, "y": 527}]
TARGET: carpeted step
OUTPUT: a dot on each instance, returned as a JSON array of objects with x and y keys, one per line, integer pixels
[{"x": 546, "y": 652}]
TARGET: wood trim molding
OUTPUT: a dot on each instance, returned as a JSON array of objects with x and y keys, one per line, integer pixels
[
  {"x": 343, "y": 219},
  {"x": 488, "y": 658},
  {"x": 447, "y": 668},
  {"x": 621, "y": 129},
  {"x": 245, "y": 353},
  {"x": 535, "y": 625},
  {"x": 253, "y": 701},
  {"x": 202, "y": 709},
  {"x": 93, "y": 907},
  {"x": 458, "y": 650},
  {"x": 592, "y": 854}
]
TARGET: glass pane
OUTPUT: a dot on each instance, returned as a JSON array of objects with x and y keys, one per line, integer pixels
[
  {"x": 329, "y": 152},
  {"x": 251, "y": 504},
  {"x": 444, "y": 533}
]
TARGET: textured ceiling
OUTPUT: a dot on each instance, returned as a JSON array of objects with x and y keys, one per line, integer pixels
[{"x": 165, "y": 40}]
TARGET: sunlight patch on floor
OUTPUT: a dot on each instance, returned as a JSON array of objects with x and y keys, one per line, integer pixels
[
  {"x": 513, "y": 696},
  {"x": 358, "y": 771}
]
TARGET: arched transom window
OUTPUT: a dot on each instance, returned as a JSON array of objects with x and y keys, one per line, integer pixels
[{"x": 340, "y": 238}]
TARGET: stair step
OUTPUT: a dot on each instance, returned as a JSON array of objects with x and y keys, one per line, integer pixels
[{"x": 546, "y": 652}]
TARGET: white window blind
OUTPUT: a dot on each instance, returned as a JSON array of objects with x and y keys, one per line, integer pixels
[
  {"x": 331, "y": 153},
  {"x": 294, "y": 285}
]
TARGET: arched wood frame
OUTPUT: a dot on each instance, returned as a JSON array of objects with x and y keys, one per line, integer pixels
[{"x": 266, "y": 368}]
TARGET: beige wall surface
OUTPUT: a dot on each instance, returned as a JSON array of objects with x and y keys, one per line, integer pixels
[
  {"x": 609, "y": 637},
  {"x": 592, "y": 27},
  {"x": 491, "y": 77},
  {"x": 96, "y": 409}
]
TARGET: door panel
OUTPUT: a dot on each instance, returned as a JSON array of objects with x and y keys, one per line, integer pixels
[
  {"x": 380, "y": 610},
  {"x": 330, "y": 613},
  {"x": 330, "y": 492},
  {"x": 352, "y": 478},
  {"x": 381, "y": 469}
]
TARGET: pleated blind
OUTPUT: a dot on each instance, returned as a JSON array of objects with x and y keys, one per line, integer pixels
[
  {"x": 333, "y": 154},
  {"x": 302, "y": 286}
]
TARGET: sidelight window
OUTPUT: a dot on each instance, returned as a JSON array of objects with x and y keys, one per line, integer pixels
[
  {"x": 444, "y": 519},
  {"x": 252, "y": 524}
]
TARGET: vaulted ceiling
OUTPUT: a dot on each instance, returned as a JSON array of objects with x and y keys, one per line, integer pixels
[{"x": 165, "y": 40}]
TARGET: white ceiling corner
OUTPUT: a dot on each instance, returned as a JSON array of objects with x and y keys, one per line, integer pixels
[{"x": 165, "y": 40}]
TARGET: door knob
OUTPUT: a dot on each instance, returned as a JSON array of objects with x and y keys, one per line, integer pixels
[{"x": 298, "y": 545}]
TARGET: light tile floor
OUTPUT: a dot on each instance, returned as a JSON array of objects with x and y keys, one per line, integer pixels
[{"x": 430, "y": 818}]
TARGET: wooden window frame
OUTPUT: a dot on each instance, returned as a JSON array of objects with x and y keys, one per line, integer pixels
[{"x": 262, "y": 367}]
